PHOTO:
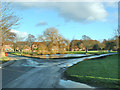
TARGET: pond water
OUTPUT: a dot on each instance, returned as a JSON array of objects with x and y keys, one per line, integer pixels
[
  {"x": 61, "y": 55},
  {"x": 72, "y": 84},
  {"x": 66, "y": 55}
]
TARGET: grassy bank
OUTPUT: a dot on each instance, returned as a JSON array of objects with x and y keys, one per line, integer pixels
[
  {"x": 89, "y": 52},
  {"x": 17, "y": 53},
  {"x": 4, "y": 59},
  {"x": 102, "y": 72},
  {"x": 67, "y": 52}
]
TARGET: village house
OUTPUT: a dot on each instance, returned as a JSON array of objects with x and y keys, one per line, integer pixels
[
  {"x": 77, "y": 45},
  {"x": 39, "y": 47},
  {"x": 8, "y": 46},
  {"x": 82, "y": 47},
  {"x": 36, "y": 46},
  {"x": 59, "y": 48},
  {"x": 25, "y": 47},
  {"x": 22, "y": 46}
]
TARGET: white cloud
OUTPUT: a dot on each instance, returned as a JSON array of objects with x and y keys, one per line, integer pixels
[
  {"x": 20, "y": 35},
  {"x": 111, "y": 4},
  {"x": 81, "y": 11}
]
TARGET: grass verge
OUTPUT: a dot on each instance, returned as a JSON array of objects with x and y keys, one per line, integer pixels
[
  {"x": 101, "y": 72},
  {"x": 89, "y": 52},
  {"x": 4, "y": 59}
]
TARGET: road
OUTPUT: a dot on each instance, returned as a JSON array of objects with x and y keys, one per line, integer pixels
[{"x": 35, "y": 73}]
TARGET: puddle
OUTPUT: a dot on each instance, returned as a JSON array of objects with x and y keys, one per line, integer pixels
[{"x": 72, "y": 84}]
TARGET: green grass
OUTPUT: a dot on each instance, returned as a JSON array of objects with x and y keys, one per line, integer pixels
[
  {"x": 89, "y": 52},
  {"x": 24, "y": 53},
  {"x": 4, "y": 59},
  {"x": 17, "y": 53},
  {"x": 102, "y": 72},
  {"x": 67, "y": 52}
]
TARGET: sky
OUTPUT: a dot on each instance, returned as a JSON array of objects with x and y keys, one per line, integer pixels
[{"x": 98, "y": 20}]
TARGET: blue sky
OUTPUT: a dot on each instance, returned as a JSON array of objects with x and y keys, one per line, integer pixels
[{"x": 73, "y": 20}]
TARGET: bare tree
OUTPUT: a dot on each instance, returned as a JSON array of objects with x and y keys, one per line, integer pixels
[
  {"x": 43, "y": 47},
  {"x": 21, "y": 46},
  {"x": 53, "y": 40},
  {"x": 102, "y": 44},
  {"x": 67, "y": 42},
  {"x": 7, "y": 21},
  {"x": 86, "y": 42},
  {"x": 61, "y": 43},
  {"x": 14, "y": 47},
  {"x": 31, "y": 38}
]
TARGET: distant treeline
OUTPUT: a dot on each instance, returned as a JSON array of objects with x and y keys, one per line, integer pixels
[{"x": 88, "y": 44}]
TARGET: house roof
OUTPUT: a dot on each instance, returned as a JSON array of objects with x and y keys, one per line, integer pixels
[
  {"x": 38, "y": 43},
  {"x": 76, "y": 41},
  {"x": 8, "y": 43},
  {"x": 22, "y": 42}
]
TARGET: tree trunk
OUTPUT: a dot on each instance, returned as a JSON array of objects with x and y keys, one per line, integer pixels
[
  {"x": 86, "y": 50},
  {"x": 2, "y": 52},
  {"x": 15, "y": 51},
  {"x": 31, "y": 48}
]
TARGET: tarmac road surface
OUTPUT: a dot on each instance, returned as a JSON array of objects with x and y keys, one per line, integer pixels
[{"x": 34, "y": 73}]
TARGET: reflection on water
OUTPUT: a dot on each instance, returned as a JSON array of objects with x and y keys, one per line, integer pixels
[
  {"x": 61, "y": 55},
  {"x": 70, "y": 55},
  {"x": 72, "y": 84}
]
